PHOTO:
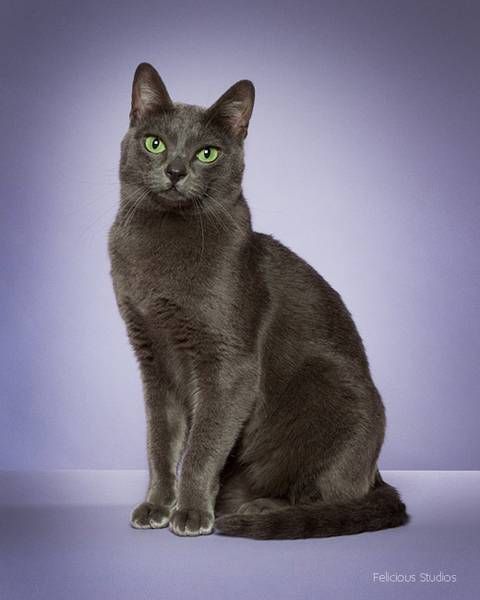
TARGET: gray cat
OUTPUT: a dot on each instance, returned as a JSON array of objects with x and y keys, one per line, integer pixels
[{"x": 262, "y": 417}]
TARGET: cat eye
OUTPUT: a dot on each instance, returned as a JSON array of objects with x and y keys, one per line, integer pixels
[
  {"x": 154, "y": 144},
  {"x": 208, "y": 154}
]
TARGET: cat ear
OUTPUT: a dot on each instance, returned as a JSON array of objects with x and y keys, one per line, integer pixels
[
  {"x": 149, "y": 93},
  {"x": 234, "y": 108}
]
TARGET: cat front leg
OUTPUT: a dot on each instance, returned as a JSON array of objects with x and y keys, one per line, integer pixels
[
  {"x": 165, "y": 435},
  {"x": 165, "y": 426},
  {"x": 221, "y": 409}
]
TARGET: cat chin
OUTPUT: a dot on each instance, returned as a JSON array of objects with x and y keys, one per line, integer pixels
[
  {"x": 169, "y": 204},
  {"x": 172, "y": 200}
]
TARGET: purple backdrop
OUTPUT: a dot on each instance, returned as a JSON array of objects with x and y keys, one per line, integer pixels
[{"x": 363, "y": 156}]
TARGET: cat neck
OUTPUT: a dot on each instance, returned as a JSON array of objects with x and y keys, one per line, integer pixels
[{"x": 209, "y": 225}]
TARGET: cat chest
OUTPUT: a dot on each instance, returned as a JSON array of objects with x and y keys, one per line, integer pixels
[
  {"x": 168, "y": 300},
  {"x": 143, "y": 276},
  {"x": 180, "y": 299}
]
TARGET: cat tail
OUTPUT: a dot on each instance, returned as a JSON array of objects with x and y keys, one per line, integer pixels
[{"x": 380, "y": 508}]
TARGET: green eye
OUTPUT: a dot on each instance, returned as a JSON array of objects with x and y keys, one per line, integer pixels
[
  {"x": 154, "y": 144},
  {"x": 208, "y": 154}
]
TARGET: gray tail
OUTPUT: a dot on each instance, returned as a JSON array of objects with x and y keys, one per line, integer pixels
[{"x": 380, "y": 508}]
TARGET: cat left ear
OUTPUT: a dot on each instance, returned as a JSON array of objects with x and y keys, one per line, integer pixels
[
  {"x": 234, "y": 108},
  {"x": 149, "y": 93}
]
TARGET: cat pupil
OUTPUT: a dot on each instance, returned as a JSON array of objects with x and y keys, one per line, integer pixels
[{"x": 206, "y": 152}]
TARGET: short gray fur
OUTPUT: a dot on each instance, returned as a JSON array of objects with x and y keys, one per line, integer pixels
[{"x": 262, "y": 416}]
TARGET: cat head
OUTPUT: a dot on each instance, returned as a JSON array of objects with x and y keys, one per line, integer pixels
[{"x": 174, "y": 155}]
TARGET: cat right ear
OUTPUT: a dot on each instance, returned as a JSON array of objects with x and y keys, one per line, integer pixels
[
  {"x": 234, "y": 109},
  {"x": 149, "y": 93}
]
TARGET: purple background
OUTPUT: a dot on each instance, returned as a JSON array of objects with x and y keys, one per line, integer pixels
[{"x": 363, "y": 156}]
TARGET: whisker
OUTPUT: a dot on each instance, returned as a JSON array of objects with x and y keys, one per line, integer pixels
[
  {"x": 95, "y": 221},
  {"x": 207, "y": 210},
  {"x": 221, "y": 207},
  {"x": 135, "y": 199},
  {"x": 197, "y": 205}
]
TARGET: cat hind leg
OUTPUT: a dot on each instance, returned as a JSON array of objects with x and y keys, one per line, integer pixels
[{"x": 261, "y": 505}]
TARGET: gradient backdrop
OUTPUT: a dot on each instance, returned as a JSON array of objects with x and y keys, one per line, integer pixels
[{"x": 363, "y": 156}]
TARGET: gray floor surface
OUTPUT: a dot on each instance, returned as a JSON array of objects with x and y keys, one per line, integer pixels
[{"x": 65, "y": 535}]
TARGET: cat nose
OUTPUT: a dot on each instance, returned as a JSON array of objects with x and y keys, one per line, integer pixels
[{"x": 176, "y": 170}]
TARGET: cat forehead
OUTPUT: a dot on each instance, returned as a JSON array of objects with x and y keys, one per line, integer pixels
[
  {"x": 188, "y": 122},
  {"x": 187, "y": 114},
  {"x": 185, "y": 121}
]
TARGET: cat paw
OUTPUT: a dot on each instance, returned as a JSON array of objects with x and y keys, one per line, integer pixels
[
  {"x": 149, "y": 516},
  {"x": 191, "y": 522},
  {"x": 261, "y": 505}
]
